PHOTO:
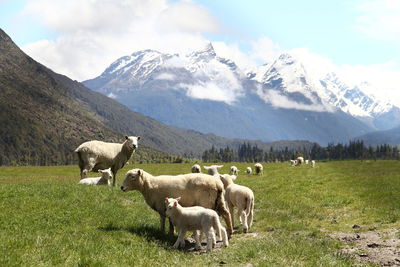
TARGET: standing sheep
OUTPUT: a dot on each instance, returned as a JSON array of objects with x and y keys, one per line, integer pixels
[
  {"x": 213, "y": 169},
  {"x": 196, "y": 168},
  {"x": 195, "y": 189},
  {"x": 313, "y": 163},
  {"x": 234, "y": 170},
  {"x": 195, "y": 219},
  {"x": 106, "y": 177},
  {"x": 300, "y": 160},
  {"x": 95, "y": 155},
  {"x": 241, "y": 197},
  {"x": 248, "y": 170},
  {"x": 259, "y": 169}
]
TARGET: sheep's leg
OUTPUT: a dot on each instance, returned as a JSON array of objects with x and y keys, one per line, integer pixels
[
  {"x": 210, "y": 238},
  {"x": 197, "y": 236},
  {"x": 162, "y": 223},
  {"x": 181, "y": 237},
  {"x": 230, "y": 206},
  {"x": 250, "y": 217},
  {"x": 171, "y": 227},
  {"x": 243, "y": 219},
  {"x": 114, "y": 171},
  {"x": 227, "y": 217}
]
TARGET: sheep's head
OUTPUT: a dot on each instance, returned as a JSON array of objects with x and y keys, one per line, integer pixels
[
  {"x": 248, "y": 170},
  {"x": 213, "y": 169},
  {"x": 170, "y": 204},
  {"x": 132, "y": 180},
  {"x": 227, "y": 179},
  {"x": 107, "y": 175},
  {"x": 132, "y": 141},
  {"x": 196, "y": 168}
]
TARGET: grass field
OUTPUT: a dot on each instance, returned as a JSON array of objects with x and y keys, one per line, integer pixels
[{"x": 46, "y": 219}]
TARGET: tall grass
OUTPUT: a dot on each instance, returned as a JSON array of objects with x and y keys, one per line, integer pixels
[{"x": 46, "y": 219}]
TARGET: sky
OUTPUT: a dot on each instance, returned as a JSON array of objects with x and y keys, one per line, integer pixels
[{"x": 80, "y": 38}]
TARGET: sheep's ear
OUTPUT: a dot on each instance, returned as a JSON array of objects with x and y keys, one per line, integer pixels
[
  {"x": 140, "y": 172},
  {"x": 206, "y": 167},
  {"x": 178, "y": 198},
  {"x": 138, "y": 138}
]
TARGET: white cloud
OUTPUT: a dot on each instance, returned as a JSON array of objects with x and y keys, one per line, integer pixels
[
  {"x": 166, "y": 76},
  {"x": 92, "y": 34},
  {"x": 111, "y": 95},
  {"x": 380, "y": 19},
  {"x": 211, "y": 91}
]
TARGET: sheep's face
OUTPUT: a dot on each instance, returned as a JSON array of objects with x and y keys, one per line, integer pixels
[
  {"x": 213, "y": 169},
  {"x": 248, "y": 170},
  {"x": 132, "y": 141},
  {"x": 170, "y": 204},
  {"x": 106, "y": 174},
  {"x": 196, "y": 168},
  {"x": 132, "y": 180}
]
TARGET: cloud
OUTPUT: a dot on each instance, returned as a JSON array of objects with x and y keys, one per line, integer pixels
[
  {"x": 210, "y": 90},
  {"x": 111, "y": 95},
  {"x": 100, "y": 31},
  {"x": 379, "y": 19},
  {"x": 165, "y": 76}
]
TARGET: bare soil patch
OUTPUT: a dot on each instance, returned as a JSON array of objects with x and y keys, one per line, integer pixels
[{"x": 382, "y": 248}]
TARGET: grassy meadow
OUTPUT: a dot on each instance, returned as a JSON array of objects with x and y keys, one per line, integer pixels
[{"x": 46, "y": 219}]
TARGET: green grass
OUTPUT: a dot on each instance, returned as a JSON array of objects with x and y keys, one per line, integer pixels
[{"x": 46, "y": 219}]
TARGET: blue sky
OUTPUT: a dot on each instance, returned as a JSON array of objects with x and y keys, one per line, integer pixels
[{"x": 81, "y": 37}]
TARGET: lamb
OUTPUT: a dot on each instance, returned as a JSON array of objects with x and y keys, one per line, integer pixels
[
  {"x": 106, "y": 177},
  {"x": 259, "y": 169},
  {"x": 213, "y": 169},
  {"x": 313, "y": 163},
  {"x": 195, "y": 219},
  {"x": 95, "y": 155},
  {"x": 248, "y": 170},
  {"x": 241, "y": 197},
  {"x": 195, "y": 189},
  {"x": 196, "y": 168},
  {"x": 234, "y": 170}
]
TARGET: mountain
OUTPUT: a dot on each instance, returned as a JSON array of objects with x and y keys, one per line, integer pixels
[
  {"x": 390, "y": 137},
  {"x": 210, "y": 94},
  {"x": 44, "y": 116}
]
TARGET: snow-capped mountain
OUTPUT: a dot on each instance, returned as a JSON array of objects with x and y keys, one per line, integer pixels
[{"x": 282, "y": 100}]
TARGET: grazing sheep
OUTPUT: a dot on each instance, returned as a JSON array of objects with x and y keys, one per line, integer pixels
[
  {"x": 248, "y": 170},
  {"x": 241, "y": 197},
  {"x": 196, "y": 168},
  {"x": 194, "y": 219},
  {"x": 234, "y": 170},
  {"x": 293, "y": 162},
  {"x": 313, "y": 163},
  {"x": 259, "y": 169},
  {"x": 106, "y": 177},
  {"x": 306, "y": 161},
  {"x": 95, "y": 155},
  {"x": 300, "y": 160},
  {"x": 195, "y": 189},
  {"x": 213, "y": 169}
]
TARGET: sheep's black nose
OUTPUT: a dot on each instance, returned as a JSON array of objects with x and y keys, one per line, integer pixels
[{"x": 122, "y": 188}]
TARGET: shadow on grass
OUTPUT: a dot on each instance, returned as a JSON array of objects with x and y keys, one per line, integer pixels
[{"x": 151, "y": 234}]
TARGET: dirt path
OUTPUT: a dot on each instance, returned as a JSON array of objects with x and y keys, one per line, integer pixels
[{"x": 382, "y": 248}]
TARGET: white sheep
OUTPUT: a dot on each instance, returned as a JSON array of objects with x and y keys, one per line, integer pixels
[
  {"x": 234, "y": 170},
  {"x": 306, "y": 161},
  {"x": 95, "y": 155},
  {"x": 195, "y": 189},
  {"x": 248, "y": 170},
  {"x": 293, "y": 162},
  {"x": 313, "y": 163},
  {"x": 259, "y": 169},
  {"x": 196, "y": 168},
  {"x": 241, "y": 197},
  {"x": 195, "y": 219},
  {"x": 300, "y": 160},
  {"x": 104, "y": 179},
  {"x": 213, "y": 169}
]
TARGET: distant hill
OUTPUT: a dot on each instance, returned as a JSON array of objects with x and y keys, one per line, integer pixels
[
  {"x": 44, "y": 116},
  {"x": 390, "y": 137}
]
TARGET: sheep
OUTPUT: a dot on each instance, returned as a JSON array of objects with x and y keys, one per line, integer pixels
[
  {"x": 306, "y": 161},
  {"x": 213, "y": 169},
  {"x": 293, "y": 162},
  {"x": 196, "y": 168},
  {"x": 194, "y": 219},
  {"x": 313, "y": 163},
  {"x": 95, "y": 155},
  {"x": 300, "y": 160},
  {"x": 106, "y": 177},
  {"x": 195, "y": 189},
  {"x": 259, "y": 169},
  {"x": 248, "y": 170},
  {"x": 234, "y": 170},
  {"x": 241, "y": 197}
]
